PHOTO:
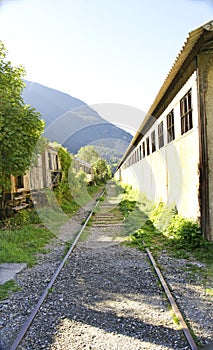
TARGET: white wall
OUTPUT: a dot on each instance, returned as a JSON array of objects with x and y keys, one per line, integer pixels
[{"x": 170, "y": 174}]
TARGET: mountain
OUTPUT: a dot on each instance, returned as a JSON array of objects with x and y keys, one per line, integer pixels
[{"x": 71, "y": 122}]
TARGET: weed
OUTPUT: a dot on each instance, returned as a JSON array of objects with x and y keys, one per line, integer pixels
[
  {"x": 209, "y": 291},
  {"x": 175, "y": 318},
  {"x": 6, "y": 288},
  {"x": 162, "y": 228}
]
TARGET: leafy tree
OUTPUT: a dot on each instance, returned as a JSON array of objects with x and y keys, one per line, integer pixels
[
  {"x": 88, "y": 154},
  {"x": 20, "y": 124},
  {"x": 101, "y": 171}
]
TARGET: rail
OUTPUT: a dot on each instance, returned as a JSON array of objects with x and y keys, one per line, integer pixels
[{"x": 24, "y": 329}]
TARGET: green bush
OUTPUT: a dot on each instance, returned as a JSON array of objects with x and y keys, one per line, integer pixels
[
  {"x": 186, "y": 231},
  {"x": 127, "y": 206}
]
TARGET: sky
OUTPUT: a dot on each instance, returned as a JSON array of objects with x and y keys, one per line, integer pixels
[{"x": 100, "y": 51}]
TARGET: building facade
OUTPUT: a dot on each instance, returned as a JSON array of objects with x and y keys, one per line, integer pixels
[{"x": 170, "y": 159}]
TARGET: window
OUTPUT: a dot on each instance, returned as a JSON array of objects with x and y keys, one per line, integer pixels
[
  {"x": 20, "y": 181},
  {"x": 144, "y": 152},
  {"x": 57, "y": 162},
  {"x": 50, "y": 161},
  {"x": 137, "y": 154},
  {"x": 153, "y": 141},
  {"x": 147, "y": 146},
  {"x": 160, "y": 135},
  {"x": 186, "y": 113},
  {"x": 140, "y": 152},
  {"x": 170, "y": 127}
]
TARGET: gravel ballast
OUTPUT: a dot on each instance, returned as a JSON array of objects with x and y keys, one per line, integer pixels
[{"x": 106, "y": 297}]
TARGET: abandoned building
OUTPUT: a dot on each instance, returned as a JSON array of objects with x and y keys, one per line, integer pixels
[{"x": 170, "y": 158}]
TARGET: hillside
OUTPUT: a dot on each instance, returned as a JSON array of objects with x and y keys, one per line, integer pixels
[{"x": 71, "y": 121}]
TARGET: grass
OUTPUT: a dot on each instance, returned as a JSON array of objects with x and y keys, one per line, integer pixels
[
  {"x": 21, "y": 245},
  {"x": 70, "y": 207},
  {"x": 85, "y": 234},
  {"x": 162, "y": 229},
  {"x": 6, "y": 288},
  {"x": 25, "y": 235}
]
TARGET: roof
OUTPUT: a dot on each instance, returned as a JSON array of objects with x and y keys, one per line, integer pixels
[
  {"x": 194, "y": 41},
  {"x": 81, "y": 161}
]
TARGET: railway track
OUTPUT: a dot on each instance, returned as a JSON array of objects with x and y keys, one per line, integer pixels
[{"x": 103, "y": 295}]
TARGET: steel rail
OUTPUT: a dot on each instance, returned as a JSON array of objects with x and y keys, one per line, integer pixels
[
  {"x": 27, "y": 324},
  {"x": 172, "y": 302}
]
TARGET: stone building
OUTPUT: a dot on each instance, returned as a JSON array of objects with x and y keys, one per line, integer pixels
[{"x": 170, "y": 158}]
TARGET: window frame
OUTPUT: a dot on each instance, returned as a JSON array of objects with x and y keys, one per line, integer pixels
[
  {"x": 144, "y": 149},
  {"x": 160, "y": 135},
  {"x": 186, "y": 119},
  {"x": 147, "y": 146},
  {"x": 170, "y": 123},
  {"x": 153, "y": 141}
]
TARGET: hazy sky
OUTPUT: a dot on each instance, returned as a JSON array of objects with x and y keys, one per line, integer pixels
[{"x": 100, "y": 51}]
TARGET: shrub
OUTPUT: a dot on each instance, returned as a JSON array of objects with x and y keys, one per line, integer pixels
[
  {"x": 127, "y": 206},
  {"x": 186, "y": 231}
]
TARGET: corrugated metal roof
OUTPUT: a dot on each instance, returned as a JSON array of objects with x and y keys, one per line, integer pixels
[{"x": 192, "y": 40}]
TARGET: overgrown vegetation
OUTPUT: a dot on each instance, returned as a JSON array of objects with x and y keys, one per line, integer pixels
[
  {"x": 102, "y": 171},
  {"x": 22, "y": 244},
  {"x": 161, "y": 228}
]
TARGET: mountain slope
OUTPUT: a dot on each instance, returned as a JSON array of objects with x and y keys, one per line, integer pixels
[{"x": 70, "y": 121}]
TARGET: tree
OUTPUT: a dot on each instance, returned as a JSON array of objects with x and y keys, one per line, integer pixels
[
  {"x": 88, "y": 154},
  {"x": 20, "y": 124},
  {"x": 102, "y": 171}
]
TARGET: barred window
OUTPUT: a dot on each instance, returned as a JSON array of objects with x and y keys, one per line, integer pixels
[
  {"x": 186, "y": 112},
  {"x": 160, "y": 135},
  {"x": 153, "y": 141},
  {"x": 170, "y": 127},
  {"x": 147, "y": 146}
]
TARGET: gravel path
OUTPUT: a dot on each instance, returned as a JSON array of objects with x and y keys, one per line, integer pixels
[{"x": 106, "y": 298}]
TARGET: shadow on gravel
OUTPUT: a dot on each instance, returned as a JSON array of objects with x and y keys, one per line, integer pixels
[{"x": 108, "y": 301}]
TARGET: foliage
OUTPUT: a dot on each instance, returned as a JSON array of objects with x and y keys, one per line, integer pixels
[
  {"x": 161, "y": 227},
  {"x": 22, "y": 244},
  {"x": 63, "y": 192},
  {"x": 102, "y": 171},
  {"x": 21, "y": 218},
  {"x": 72, "y": 191},
  {"x": 20, "y": 124},
  {"x": 89, "y": 154},
  {"x": 111, "y": 155},
  {"x": 127, "y": 206},
  {"x": 162, "y": 215},
  {"x": 186, "y": 231}
]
